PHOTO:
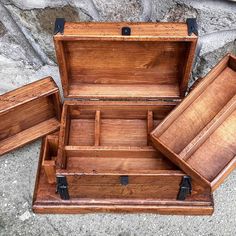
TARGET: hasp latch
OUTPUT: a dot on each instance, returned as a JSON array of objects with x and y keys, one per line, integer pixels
[
  {"x": 192, "y": 26},
  {"x": 124, "y": 180},
  {"x": 185, "y": 188},
  {"x": 59, "y": 25},
  {"x": 62, "y": 188}
]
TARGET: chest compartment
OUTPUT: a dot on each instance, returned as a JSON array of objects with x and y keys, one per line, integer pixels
[{"x": 120, "y": 80}]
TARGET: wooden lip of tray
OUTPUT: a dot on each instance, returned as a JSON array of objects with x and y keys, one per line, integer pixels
[
  {"x": 153, "y": 63},
  {"x": 28, "y": 113},
  {"x": 46, "y": 201},
  {"x": 207, "y": 133}
]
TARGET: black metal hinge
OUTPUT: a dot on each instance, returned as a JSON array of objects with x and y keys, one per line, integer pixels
[
  {"x": 59, "y": 25},
  {"x": 62, "y": 188},
  {"x": 126, "y": 31},
  {"x": 124, "y": 180},
  {"x": 192, "y": 26},
  {"x": 185, "y": 188}
]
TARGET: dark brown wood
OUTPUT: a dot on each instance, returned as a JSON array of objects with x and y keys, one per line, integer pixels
[
  {"x": 103, "y": 193},
  {"x": 199, "y": 135},
  {"x": 96, "y": 61},
  {"x": 28, "y": 113}
]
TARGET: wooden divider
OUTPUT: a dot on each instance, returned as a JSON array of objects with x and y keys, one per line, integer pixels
[
  {"x": 97, "y": 128},
  {"x": 149, "y": 126}
]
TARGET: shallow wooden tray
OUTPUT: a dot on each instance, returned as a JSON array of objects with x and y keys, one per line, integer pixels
[
  {"x": 28, "y": 113},
  {"x": 199, "y": 135}
]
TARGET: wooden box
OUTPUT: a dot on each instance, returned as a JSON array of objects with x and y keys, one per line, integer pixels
[
  {"x": 199, "y": 135},
  {"x": 28, "y": 113},
  {"x": 138, "y": 72}
]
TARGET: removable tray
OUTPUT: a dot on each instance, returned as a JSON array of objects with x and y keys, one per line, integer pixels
[
  {"x": 28, "y": 113},
  {"x": 199, "y": 135}
]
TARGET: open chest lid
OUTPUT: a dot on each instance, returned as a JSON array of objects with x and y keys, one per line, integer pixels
[
  {"x": 125, "y": 61},
  {"x": 199, "y": 134},
  {"x": 28, "y": 113}
]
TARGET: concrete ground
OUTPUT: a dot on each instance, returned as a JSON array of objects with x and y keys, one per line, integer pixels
[{"x": 17, "y": 177}]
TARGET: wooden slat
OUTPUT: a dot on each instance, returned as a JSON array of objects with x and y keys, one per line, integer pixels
[
  {"x": 119, "y": 91},
  {"x": 149, "y": 126},
  {"x": 62, "y": 62},
  {"x": 162, "y": 29},
  {"x": 63, "y": 137},
  {"x": 29, "y": 135},
  {"x": 97, "y": 128},
  {"x": 27, "y": 93},
  {"x": 187, "y": 69}
]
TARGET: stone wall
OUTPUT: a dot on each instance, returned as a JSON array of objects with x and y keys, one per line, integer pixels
[{"x": 26, "y": 48}]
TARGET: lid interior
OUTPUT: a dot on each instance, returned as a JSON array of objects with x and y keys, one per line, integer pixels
[
  {"x": 206, "y": 142},
  {"x": 125, "y": 67}
]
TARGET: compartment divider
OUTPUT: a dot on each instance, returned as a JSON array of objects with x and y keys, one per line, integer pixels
[
  {"x": 97, "y": 128},
  {"x": 149, "y": 126},
  {"x": 109, "y": 151},
  {"x": 64, "y": 137},
  {"x": 48, "y": 163},
  {"x": 209, "y": 129}
]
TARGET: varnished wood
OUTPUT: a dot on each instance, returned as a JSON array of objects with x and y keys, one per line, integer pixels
[
  {"x": 97, "y": 128},
  {"x": 99, "y": 31},
  {"x": 50, "y": 148},
  {"x": 28, "y": 113},
  {"x": 150, "y": 125},
  {"x": 96, "y": 61},
  {"x": 93, "y": 169},
  {"x": 120, "y": 124},
  {"x": 199, "y": 135},
  {"x": 45, "y": 200}
]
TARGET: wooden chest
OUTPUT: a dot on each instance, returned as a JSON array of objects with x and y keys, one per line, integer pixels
[
  {"x": 120, "y": 80},
  {"x": 124, "y": 78}
]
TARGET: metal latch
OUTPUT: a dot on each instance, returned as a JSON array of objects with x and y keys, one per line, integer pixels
[
  {"x": 124, "y": 180},
  {"x": 192, "y": 26},
  {"x": 59, "y": 25},
  {"x": 62, "y": 188},
  {"x": 185, "y": 188},
  {"x": 126, "y": 31}
]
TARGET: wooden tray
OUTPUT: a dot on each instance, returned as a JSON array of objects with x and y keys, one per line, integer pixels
[
  {"x": 199, "y": 135},
  {"x": 28, "y": 113},
  {"x": 101, "y": 191}
]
